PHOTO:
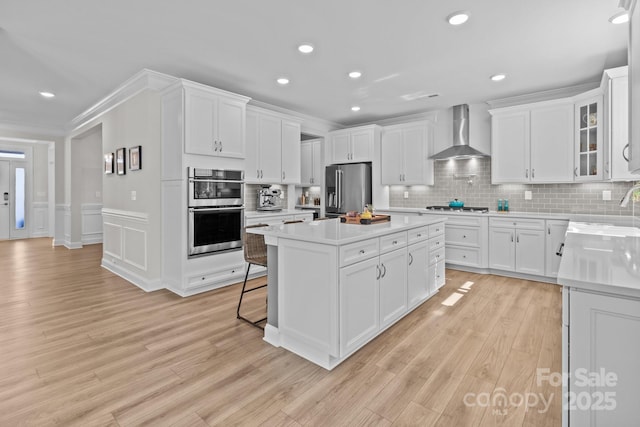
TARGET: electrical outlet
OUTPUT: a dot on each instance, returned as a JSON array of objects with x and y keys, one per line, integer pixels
[
  {"x": 133, "y": 195},
  {"x": 606, "y": 195},
  {"x": 528, "y": 195},
  {"x": 406, "y": 194}
]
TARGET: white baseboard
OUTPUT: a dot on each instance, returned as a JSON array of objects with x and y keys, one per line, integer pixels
[
  {"x": 271, "y": 335},
  {"x": 141, "y": 282},
  {"x": 72, "y": 245}
]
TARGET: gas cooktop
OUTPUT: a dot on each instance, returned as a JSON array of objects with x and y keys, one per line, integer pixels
[{"x": 463, "y": 209}]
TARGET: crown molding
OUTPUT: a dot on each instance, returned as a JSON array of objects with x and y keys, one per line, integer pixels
[
  {"x": 143, "y": 80},
  {"x": 310, "y": 124},
  {"x": 31, "y": 130},
  {"x": 547, "y": 95}
]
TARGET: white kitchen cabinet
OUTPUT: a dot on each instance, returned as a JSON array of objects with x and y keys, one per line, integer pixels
[
  {"x": 510, "y": 140},
  {"x": 214, "y": 122},
  {"x": 393, "y": 286},
  {"x": 359, "y": 304},
  {"x": 522, "y": 138},
  {"x": 273, "y": 148},
  {"x": 405, "y": 155},
  {"x": 517, "y": 245},
  {"x": 615, "y": 84},
  {"x": 588, "y": 138},
  {"x": 290, "y": 151},
  {"x": 634, "y": 87},
  {"x": 466, "y": 239},
  {"x": 311, "y": 162},
  {"x": 551, "y": 144},
  {"x": 354, "y": 145},
  {"x": 556, "y": 230},
  {"x": 418, "y": 274},
  {"x": 602, "y": 343},
  {"x": 264, "y": 160}
]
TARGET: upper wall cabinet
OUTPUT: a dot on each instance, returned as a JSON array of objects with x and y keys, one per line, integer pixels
[
  {"x": 311, "y": 162},
  {"x": 214, "y": 122},
  {"x": 353, "y": 145},
  {"x": 532, "y": 143},
  {"x": 615, "y": 85},
  {"x": 588, "y": 138},
  {"x": 405, "y": 154},
  {"x": 273, "y": 148}
]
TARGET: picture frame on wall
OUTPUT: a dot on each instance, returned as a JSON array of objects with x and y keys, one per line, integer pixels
[
  {"x": 121, "y": 161},
  {"x": 135, "y": 158},
  {"x": 108, "y": 163}
]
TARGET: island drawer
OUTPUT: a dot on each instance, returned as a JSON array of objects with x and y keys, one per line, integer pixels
[
  {"x": 393, "y": 241},
  {"x": 436, "y": 229},
  {"x": 359, "y": 251},
  {"x": 436, "y": 243},
  {"x": 435, "y": 256},
  {"x": 418, "y": 234},
  {"x": 524, "y": 223}
]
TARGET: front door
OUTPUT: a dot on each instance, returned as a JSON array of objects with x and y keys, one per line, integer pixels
[
  {"x": 13, "y": 202},
  {"x": 5, "y": 207}
]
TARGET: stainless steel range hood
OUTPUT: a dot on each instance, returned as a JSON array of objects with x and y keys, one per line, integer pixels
[{"x": 461, "y": 148}]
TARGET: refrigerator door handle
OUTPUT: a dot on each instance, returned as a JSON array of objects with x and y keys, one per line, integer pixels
[{"x": 339, "y": 188}]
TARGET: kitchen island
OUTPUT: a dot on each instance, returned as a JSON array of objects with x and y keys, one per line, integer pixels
[
  {"x": 600, "y": 274},
  {"x": 334, "y": 287}
]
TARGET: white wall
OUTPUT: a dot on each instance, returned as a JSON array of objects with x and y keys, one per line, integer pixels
[{"x": 131, "y": 228}]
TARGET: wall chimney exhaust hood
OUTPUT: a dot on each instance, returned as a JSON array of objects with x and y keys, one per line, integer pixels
[{"x": 460, "y": 148}]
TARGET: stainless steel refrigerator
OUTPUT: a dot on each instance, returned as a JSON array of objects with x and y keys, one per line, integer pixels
[{"x": 348, "y": 188}]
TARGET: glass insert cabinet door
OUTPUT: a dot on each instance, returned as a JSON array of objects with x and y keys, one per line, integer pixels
[{"x": 588, "y": 161}]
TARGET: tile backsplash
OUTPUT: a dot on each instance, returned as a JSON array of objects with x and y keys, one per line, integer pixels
[
  {"x": 452, "y": 180},
  {"x": 251, "y": 195}
]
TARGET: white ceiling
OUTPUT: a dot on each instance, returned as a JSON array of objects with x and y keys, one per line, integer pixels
[{"x": 82, "y": 50}]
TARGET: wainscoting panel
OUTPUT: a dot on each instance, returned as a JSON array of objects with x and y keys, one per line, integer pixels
[
  {"x": 40, "y": 219},
  {"x": 135, "y": 247},
  {"x": 112, "y": 240},
  {"x": 91, "y": 223},
  {"x": 125, "y": 247},
  {"x": 63, "y": 225}
]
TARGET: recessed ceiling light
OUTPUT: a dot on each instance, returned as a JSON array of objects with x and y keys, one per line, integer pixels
[
  {"x": 355, "y": 108},
  {"x": 283, "y": 81},
  {"x": 355, "y": 74},
  {"x": 47, "y": 94},
  {"x": 458, "y": 18},
  {"x": 498, "y": 77},
  {"x": 305, "y": 48},
  {"x": 620, "y": 17}
]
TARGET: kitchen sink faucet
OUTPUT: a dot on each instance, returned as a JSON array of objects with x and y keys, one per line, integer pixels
[{"x": 625, "y": 200}]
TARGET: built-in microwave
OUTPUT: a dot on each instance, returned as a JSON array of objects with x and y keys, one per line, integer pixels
[
  {"x": 215, "y": 229},
  {"x": 215, "y": 187}
]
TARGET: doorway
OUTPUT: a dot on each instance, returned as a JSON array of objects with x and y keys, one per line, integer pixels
[{"x": 13, "y": 199}]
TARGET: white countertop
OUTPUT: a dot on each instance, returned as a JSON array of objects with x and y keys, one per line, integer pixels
[
  {"x": 333, "y": 232},
  {"x": 623, "y": 220},
  {"x": 264, "y": 214},
  {"x": 601, "y": 258}
]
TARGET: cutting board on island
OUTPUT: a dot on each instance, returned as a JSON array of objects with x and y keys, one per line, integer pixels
[{"x": 375, "y": 219}]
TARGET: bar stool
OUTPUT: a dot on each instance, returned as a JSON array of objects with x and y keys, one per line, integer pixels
[{"x": 255, "y": 253}]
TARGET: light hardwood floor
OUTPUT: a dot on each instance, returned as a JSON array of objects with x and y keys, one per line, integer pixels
[{"x": 81, "y": 346}]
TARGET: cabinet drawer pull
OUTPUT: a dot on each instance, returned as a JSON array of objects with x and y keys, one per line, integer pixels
[
  {"x": 511, "y": 237},
  {"x": 395, "y": 242},
  {"x": 378, "y": 272},
  {"x": 220, "y": 146},
  {"x": 560, "y": 249},
  {"x": 410, "y": 259},
  {"x": 361, "y": 251},
  {"x": 384, "y": 272},
  {"x": 419, "y": 235}
]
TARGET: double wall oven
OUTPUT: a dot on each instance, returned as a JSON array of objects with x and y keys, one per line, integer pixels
[{"x": 216, "y": 210}]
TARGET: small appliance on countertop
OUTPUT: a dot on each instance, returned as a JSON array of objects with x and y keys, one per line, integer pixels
[
  {"x": 457, "y": 209},
  {"x": 269, "y": 199}
]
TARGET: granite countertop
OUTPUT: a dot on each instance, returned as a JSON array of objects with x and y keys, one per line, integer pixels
[
  {"x": 602, "y": 258},
  {"x": 333, "y": 232}
]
